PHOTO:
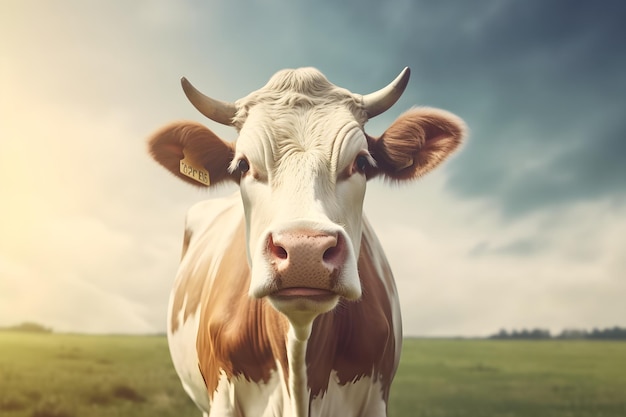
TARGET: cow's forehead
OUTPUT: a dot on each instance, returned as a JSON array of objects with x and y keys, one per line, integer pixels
[
  {"x": 297, "y": 90},
  {"x": 327, "y": 137},
  {"x": 306, "y": 128},
  {"x": 299, "y": 114}
]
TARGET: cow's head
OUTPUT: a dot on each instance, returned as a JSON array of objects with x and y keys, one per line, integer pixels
[{"x": 302, "y": 160}]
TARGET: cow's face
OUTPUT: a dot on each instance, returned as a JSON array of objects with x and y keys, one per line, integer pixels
[
  {"x": 302, "y": 180},
  {"x": 302, "y": 160}
]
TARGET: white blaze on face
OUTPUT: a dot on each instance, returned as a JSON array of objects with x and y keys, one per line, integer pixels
[{"x": 302, "y": 180}]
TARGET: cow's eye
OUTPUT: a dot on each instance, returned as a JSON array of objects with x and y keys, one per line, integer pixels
[
  {"x": 361, "y": 163},
  {"x": 243, "y": 166}
]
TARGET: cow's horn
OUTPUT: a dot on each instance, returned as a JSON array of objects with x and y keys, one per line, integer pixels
[
  {"x": 380, "y": 101},
  {"x": 216, "y": 110}
]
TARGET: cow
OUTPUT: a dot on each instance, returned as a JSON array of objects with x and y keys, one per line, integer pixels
[{"x": 284, "y": 303}]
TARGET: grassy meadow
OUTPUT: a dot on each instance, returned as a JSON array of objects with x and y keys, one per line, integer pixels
[
  {"x": 58, "y": 375},
  {"x": 506, "y": 378}
]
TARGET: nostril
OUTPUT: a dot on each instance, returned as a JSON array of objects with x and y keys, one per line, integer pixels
[
  {"x": 279, "y": 252},
  {"x": 276, "y": 251},
  {"x": 335, "y": 255},
  {"x": 330, "y": 254}
]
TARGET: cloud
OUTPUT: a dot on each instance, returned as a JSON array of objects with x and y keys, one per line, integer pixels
[
  {"x": 547, "y": 123},
  {"x": 67, "y": 304},
  {"x": 542, "y": 271},
  {"x": 521, "y": 247}
]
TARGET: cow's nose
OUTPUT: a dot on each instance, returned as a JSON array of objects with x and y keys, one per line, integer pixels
[{"x": 306, "y": 258}]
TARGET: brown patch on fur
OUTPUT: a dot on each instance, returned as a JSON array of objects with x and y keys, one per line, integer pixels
[
  {"x": 357, "y": 338},
  {"x": 193, "y": 140},
  {"x": 416, "y": 143},
  {"x": 237, "y": 334}
]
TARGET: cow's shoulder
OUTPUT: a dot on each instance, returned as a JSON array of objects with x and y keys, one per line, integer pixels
[
  {"x": 207, "y": 224},
  {"x": 207, "y": 218},
  {"x": 237, "y": 336}
]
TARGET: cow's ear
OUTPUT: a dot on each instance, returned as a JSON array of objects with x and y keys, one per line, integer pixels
[
  {"x": 205, "y": 157},
  {"x": 416, "y": 143}
]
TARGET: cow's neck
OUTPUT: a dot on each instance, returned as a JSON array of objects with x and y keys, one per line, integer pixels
[{"x": 297, "y": 341}]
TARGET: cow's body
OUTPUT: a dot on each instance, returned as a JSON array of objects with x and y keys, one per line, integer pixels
[
  {"x": 284, "y": 304},
  {"x": 241, "y": 348}
]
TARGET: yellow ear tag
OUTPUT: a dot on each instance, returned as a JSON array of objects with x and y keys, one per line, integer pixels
[{"x": 193, "y": 171}]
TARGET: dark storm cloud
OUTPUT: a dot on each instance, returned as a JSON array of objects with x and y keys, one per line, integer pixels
[
  {"x": 542, "y": 84},
  {"x": 545, "y": 97}
]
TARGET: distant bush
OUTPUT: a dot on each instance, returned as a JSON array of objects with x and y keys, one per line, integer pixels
[
  {"x": 608, "y": 334},
  {"x": 573, "y": 334},
  {"x": 29, "y": 327},
  {"x": 535, "y": 334}
]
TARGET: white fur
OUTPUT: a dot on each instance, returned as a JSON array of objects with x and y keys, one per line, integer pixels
[
  {"x": 182, "y": 345},
  {"x": 362, "y": 398}
]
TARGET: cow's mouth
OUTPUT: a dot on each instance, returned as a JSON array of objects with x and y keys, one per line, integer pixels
[
  {"x": 313, "y": 294},
  {"x": 296, "y": 301}
]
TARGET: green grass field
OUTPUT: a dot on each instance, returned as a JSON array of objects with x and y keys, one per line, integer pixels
[
  {"x": 56, "y": 375},
  {"x": 510, "y": 378}
]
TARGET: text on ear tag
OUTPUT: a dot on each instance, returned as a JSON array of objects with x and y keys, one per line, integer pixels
[{"x": 193, "y": 171}]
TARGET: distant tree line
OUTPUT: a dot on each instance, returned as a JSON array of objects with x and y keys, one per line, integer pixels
[
  {"x": 28, "y": 327},
  {"x": 612, "y": 333}
]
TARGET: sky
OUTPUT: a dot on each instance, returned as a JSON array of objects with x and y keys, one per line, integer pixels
[{"x": 525, "y": 227}]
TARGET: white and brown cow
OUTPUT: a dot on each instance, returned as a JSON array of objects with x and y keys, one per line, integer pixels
[{"x": 284, "y": 303}]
